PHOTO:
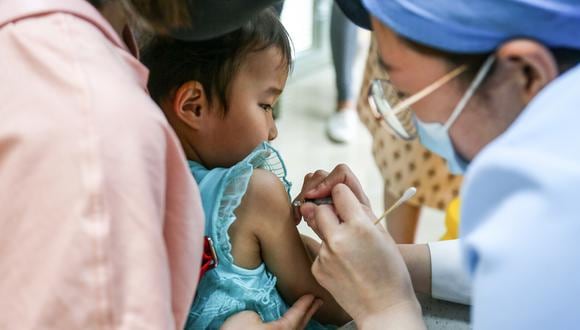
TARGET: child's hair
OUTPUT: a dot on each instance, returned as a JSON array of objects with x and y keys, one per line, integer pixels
[{"x": 214, "y": 62}]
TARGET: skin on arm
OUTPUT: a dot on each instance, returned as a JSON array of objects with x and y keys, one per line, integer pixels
[
  {"x": 417, "y": 257},
  {"x": 265, "y": 229},
  {"x": 402, "y": 222},
  {"x": 312, "y": 246}
]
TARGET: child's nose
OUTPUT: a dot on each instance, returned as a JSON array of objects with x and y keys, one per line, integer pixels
[{"x": 273, "y": 133}]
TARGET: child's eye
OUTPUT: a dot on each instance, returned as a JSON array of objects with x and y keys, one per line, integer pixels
[{"x": 266, "y": 107}]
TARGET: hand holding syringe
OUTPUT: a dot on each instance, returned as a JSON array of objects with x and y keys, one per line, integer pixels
[{"x": 409, "y": 193}]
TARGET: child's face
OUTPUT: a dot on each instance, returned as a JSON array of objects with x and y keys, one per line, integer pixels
[{"x": 248, "y": 122}]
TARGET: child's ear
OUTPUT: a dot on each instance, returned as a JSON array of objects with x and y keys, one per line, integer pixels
[{"x": 190, "y": 104}]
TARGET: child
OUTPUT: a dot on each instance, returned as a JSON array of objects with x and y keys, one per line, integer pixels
[{"x": 218, "y": 96}]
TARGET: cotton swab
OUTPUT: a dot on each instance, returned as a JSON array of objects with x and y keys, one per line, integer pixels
[{"x": 409, "y": 193}]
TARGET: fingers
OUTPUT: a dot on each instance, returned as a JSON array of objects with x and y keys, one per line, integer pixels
[
  {"x": 325, "y": 221},
  {"x": 300, "y": 313},
  {"x": 249, "y": 319},
  {"x": 347, "y": 205},
  {"x": 307, "y": 211},
  {"x": 340, "y": 174},
  {"x": 311, "y": 180},
  {"x": 297, "y": 317},
  {"x": 316, "y": 177},
  {"x": 324, "y": 218},
  {"x": 313, "y": 309}
]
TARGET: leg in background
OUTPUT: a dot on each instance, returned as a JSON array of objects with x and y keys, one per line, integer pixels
[
  {"x": 343, "y": 41},
  {"x": 402, "y": 222}
]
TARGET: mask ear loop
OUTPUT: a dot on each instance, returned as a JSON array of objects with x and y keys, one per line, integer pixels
[
  {"x": 429, "y": 89},
  {"x": 470, "y": 91}
]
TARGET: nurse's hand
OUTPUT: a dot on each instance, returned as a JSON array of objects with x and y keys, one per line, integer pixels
[
  {"x": 361, "y": 266},
  {"x": 320, "y": 183},
  {"x": 295, "y": 318}
]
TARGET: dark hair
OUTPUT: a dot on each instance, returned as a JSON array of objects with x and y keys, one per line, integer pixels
[
  {"x": 214, "y": 62},
  {"x": 566, "y": 58},
  {"x": 159, "y": 15}
]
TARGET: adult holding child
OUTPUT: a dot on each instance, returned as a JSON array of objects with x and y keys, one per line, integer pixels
[{"x": 100, "y": 219}]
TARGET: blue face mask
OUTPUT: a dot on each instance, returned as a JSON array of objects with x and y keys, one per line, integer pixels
[{"x": 435, "y": 136}]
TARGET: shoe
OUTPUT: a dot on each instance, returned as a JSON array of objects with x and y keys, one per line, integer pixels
[{"x": 342, "y": 125}]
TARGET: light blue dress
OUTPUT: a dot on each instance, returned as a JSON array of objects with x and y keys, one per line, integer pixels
[
  {"x": 229, "y": 289},
  {"x": 521, "y": 217}
]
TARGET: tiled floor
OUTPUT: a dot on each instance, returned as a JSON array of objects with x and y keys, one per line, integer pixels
[{"x": 306, "y": 104}]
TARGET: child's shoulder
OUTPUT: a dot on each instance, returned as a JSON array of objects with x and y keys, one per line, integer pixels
[
  {"x": 265, "y": 194},
  {"x": 263, "y": 212},
  {"x": 265, "y": 208},
  {"x": 267, "y": 186}
]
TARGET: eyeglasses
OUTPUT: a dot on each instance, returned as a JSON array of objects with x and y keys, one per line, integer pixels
[{"x": 397, "y": 115}]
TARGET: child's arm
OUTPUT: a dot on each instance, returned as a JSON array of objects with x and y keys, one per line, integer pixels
[
  {"x": 311, "y": 245},
  {"x": 266, "y": 212}
]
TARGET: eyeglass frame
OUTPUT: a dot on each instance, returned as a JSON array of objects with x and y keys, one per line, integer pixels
[{"x": 388, "y": 114}]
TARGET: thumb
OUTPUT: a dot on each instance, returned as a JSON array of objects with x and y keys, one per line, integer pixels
[
  {"x": 339, "y": 175},
  {"x": 307, "y": 210},
  {"x": 347, "y": 205}
]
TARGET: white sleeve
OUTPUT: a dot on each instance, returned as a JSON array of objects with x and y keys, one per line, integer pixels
[{"x": 449, "y": 277}]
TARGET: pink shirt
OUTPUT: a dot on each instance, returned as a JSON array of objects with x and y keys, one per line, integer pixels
[{"x": 100, "y": 220}]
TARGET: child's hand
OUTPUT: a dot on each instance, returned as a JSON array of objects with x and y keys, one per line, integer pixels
[{"x": 295, "y": 318}]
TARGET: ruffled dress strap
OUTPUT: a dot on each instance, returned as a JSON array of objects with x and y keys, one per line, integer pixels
[{"x": 222, "y": 191}]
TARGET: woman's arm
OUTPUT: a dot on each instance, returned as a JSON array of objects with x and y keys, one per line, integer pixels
[
  {"x": 418, "y": 261},
  {"x": 379, "y": 293},
  {"x": 266, "y": 212},
  {"x": 436, "y": 269}
]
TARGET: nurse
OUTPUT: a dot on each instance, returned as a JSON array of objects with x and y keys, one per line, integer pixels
[{"x": 494, "y": 87}]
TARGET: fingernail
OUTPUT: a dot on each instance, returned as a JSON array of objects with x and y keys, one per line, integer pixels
[
  {"x": 313, "y": 190},
  {"x": 308, "y": 214}
]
